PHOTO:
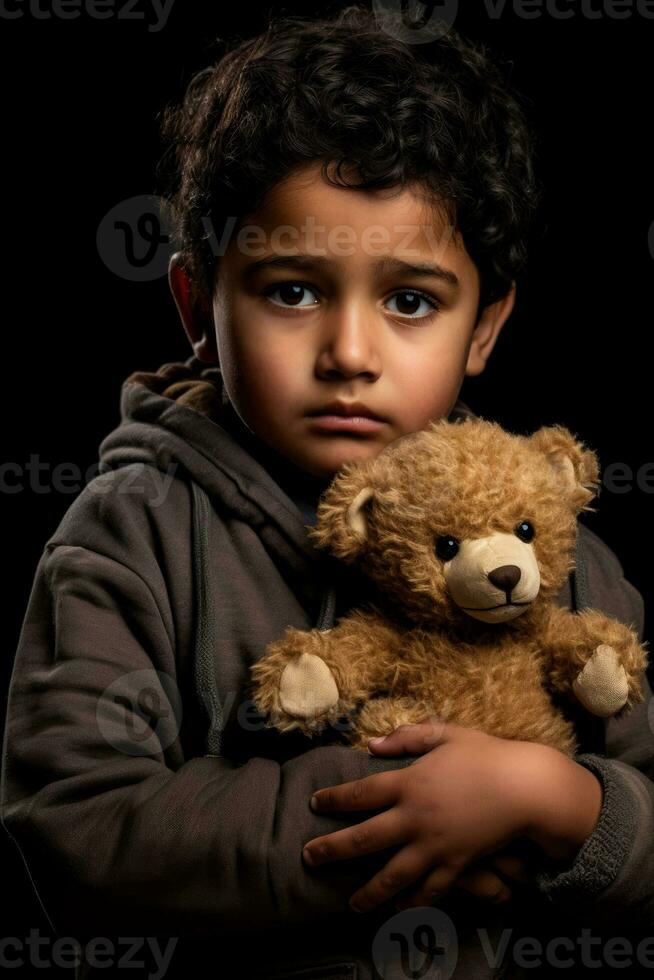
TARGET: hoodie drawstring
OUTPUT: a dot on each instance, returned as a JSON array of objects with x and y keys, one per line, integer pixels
[
  {"x": 205, "y": 627},
  {"x": 327, "y": 609},
  {"x": 579, "y": 578}
]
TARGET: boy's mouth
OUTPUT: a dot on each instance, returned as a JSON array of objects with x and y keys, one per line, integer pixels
[
  {"x": 345, "y": 423},
  {"x": 347, "y": 410}
]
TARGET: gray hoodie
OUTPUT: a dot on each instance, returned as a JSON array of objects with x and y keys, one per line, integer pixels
[{"x": 148, "y": 798}]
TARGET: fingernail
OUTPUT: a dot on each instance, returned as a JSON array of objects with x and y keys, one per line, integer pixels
[
  {"x": 376, "y": 740},
  {"x": 313, "y": 802},
  {"x": 355, "y": 907},
  {"x": 308, "y": 857}
]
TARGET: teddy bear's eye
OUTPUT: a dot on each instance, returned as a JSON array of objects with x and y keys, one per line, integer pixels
[
  {"x": 525, "y": 531},
  {"x": 446, "y": 547}
]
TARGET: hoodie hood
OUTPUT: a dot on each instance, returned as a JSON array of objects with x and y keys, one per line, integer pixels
[{"x": 180, "y": 419}]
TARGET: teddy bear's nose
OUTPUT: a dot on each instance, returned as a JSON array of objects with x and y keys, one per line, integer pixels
[{"x": 505, "y": 577}]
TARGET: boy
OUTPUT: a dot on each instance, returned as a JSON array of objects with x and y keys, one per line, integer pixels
[{"x": 144, "y": 793}]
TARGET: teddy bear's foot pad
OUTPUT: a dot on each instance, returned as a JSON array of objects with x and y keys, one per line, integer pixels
[
  {"x": 602, "y": 685},
  {"x": 307, "y": 687}
]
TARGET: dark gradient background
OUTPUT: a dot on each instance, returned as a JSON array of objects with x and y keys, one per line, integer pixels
[{"x": 80, "y": 134}]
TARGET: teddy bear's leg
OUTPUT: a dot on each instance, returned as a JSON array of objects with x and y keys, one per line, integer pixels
[{"x": 596, "y": 659}]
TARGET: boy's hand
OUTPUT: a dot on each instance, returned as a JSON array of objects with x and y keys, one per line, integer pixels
[
  {"x": 467, "y": 795},
  {"x": 566, "y": 802}
]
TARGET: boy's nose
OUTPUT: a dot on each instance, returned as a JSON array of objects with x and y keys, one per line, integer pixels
[{"x": 348, "y": 347}]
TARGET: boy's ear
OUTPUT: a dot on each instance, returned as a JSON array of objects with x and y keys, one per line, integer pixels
[
  {"x": 491, "y": 320},
  {"x": 194, "y": 310}
]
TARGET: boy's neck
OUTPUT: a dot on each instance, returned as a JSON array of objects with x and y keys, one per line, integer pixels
[{"x": 300, "y": 486}]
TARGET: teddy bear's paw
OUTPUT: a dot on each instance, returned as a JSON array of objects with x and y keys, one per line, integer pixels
[
  {"x": 307, "y": 687},
  {"x": 602, "y": 686}
]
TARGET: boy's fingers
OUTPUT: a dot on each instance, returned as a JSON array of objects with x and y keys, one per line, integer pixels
[
  {"x": 413, "y": 739},
  {"x": 511, "y": 866},
  {"x": 375, "y": 834},
  {"x": 431, "y": 889},
  {"x": 485, "y": 885},
  {"x": 403, "y": 869},
  {"x": 488, "y": 886},
  {"x": 369, "y": 793}
]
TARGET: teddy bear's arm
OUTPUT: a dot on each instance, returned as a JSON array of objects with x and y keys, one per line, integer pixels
[
  {"x": 595, "y": 659},
  {"x": 307, "y": 678},
  {"x": 362, "y": 652}
]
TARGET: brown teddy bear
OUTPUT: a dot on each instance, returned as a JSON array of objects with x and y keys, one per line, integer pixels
[{"x": 468, "y": 533}]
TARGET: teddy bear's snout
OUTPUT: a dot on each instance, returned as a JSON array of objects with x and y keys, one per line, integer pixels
[{"x": 494, "y": 578}]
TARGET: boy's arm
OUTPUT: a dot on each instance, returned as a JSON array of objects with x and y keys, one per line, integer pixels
[
  {"x": 611, "y": 880},
  {"x": 115, "y": 826}
]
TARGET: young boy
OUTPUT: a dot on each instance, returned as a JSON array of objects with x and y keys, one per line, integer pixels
[{"x": 146, "y": 796}]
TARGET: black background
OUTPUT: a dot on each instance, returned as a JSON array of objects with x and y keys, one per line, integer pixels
[{"x": 80, "y": 135}]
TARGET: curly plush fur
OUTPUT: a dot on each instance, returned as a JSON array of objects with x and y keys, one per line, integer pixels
[{"x": 468, "y": 534}]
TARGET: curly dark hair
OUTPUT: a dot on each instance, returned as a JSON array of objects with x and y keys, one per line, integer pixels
[{"x": 440, "y": 115}]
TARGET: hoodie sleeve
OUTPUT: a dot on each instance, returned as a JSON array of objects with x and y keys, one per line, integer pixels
[
  {"x": 114, "y": 824},
  {"x": 611, "y": 879}
]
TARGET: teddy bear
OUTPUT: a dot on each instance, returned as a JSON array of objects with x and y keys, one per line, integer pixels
[{"x": 467, "y": 533}]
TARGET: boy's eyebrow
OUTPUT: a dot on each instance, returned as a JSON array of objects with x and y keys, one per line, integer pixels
[{"x": 384, "y": 265}]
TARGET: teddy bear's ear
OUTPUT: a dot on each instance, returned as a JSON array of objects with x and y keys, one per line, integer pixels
[
  {"x": 576, "y": 467},
  {"x": 342, "y": 514},
  {"x": 355, "y": 515}
]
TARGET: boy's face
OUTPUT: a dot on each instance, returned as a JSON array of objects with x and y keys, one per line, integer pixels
[{"x": 339, "y": 317}]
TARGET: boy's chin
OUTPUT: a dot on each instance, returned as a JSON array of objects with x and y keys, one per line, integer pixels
[{"x": 327, "y": 464}]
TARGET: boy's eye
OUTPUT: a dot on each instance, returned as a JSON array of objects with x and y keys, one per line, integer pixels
[
  {"x": 410, "y": 298},
  {"x": 291, "y": 295},
  {"x": 291, "y": 292}
]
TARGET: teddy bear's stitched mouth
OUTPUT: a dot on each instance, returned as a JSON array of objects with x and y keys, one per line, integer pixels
[{"x": 502, "y": 605}]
